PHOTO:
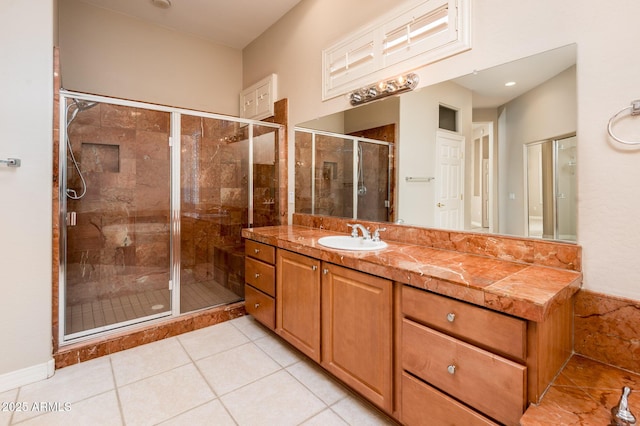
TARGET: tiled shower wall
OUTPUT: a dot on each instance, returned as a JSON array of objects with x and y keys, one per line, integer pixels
[{"x": 214, "y": 208}]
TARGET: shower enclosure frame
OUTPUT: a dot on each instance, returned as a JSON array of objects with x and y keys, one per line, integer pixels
[
  {"x": 356, "y": 140},
  {"x": 175, "y": 201},
  {"x": 556, "y": 194}
]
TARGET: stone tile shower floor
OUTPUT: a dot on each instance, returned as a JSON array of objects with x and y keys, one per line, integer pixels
[
  {"x": 194, "y": 296},
  {"x": 233, "y": 373}
]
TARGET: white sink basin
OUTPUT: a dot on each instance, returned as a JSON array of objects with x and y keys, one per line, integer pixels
[{"x": 345, "y": 242}]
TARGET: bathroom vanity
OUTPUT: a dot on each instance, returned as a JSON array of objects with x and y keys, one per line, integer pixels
[{"x": 426, "y": 334}]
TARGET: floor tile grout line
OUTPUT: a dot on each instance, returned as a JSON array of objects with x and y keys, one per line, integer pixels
[
  {"x": 216, "y": 396},
  {"x": 157, "y": 373},
  {"x": 115, "y": 388},
  {"x": 16, "y": 399},
  {"x": 74, "y": 402},
  {"x": 195, "y": 364},
  {"x": 303, "y": 359}
]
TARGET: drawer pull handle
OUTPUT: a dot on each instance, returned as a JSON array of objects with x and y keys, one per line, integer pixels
[
  {"x": 451, "y": 369},
  {"x": 257, "y": 305},
  {"x": 256, "y": 275},
  {"x": 314, "y": 268},
  {"x": 256, "y": 250},
  {"x": 451, "y": 317}
]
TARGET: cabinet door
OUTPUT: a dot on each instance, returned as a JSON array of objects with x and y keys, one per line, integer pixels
[
  {"x": 298, "y": 302},
  {"x": 356, "y": 332}
]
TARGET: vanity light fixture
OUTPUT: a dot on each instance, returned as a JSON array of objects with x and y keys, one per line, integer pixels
[{"x": 384, "y": 88}]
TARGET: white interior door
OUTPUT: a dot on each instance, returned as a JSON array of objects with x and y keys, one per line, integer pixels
[{"x": 449, "y": 211}]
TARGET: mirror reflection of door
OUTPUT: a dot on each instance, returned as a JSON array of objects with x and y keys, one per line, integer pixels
[
  {"x": 566, "y": 188},
  {"x": 449, "y": 209},
  {"x": 481, "y": 177},
  {"x": 550, "y": 188}
]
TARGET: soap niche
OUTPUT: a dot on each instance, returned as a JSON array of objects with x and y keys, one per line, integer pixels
[{"x": 98, "y": 157}]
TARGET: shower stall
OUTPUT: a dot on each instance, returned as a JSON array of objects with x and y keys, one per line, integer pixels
[
  {"x": 343, "y": 175},
  {"x": 152, "y": 203},
  {"x": 550, "y": 188}
]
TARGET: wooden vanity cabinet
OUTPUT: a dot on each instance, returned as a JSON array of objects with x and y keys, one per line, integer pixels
[
  {"x": 298, "y": 302},
  {"x": 463, "y": 351},
  {"x": 259, "y": 286},
  {"x": 340, "y": 318},
  {"x": 423, "y": 358},
  {"x": 357, "y": 332}
]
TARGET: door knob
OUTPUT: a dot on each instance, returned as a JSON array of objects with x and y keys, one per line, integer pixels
[{"x": 440, "y": 205}]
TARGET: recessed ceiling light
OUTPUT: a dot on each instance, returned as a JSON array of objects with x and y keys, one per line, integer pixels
[
  {"x": 510, "y": 83},
  {"x": 161, "y": 4}
]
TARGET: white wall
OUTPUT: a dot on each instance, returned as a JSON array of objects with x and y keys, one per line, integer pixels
[
  {"x": 545, "y": 112},
  {"x": 111, "y": 54},
  {"x": 372, "y": 115},
  {"x": 503, "y": 30},
  {"x": 26, "y": 105},
  {"x": 419, "y": 121}
]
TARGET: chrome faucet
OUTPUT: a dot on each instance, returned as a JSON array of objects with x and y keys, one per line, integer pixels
[
  {"x": 376, "y": 234},
  {"x": 354, "y": 231},
  {"x": 620, "y": 414}
]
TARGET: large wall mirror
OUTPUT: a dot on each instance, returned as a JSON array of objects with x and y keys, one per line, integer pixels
[{"x": 474, "y": 153}]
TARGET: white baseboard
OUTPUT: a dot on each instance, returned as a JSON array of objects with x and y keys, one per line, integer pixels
[{"x": 35, "y": 373}]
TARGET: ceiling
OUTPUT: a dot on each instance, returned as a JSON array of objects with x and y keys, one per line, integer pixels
[
  {"x": 233, "y": 23},
  {"x": 488, "y": 86}
]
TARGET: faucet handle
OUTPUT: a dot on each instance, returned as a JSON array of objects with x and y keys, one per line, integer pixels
[
  {"x": 376, "y": 233},
  {"x": 354, "y": 230}
]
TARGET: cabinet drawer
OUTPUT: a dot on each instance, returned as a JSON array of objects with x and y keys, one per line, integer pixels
[
  {"x": 489, "y": 383},
  {"x": 423, "y": 405},
  {"x": 260, "y": 251},
  {"x": 482, "y": 327},
  {"x": 260, "y": 275},
  {"x": 260, "y": 306}
]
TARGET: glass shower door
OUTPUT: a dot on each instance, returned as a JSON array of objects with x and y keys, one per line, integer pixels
[
  {"x": 373, "y": 183},
  {"x": 116, "y": 199},
  {"x": 214, "y": 180},
  {"x": 333, "y": 183},
  {"x": 566, "y": 188},
  {"x": 264, "y": 211}
]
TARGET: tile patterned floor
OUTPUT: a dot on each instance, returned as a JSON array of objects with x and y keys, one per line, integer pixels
[
  {"x": 194, "y": 296},
  {"x": 233, "y": 373}
]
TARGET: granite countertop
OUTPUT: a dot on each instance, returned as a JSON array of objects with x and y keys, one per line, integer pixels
[{"x": 524, "y": 290}]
